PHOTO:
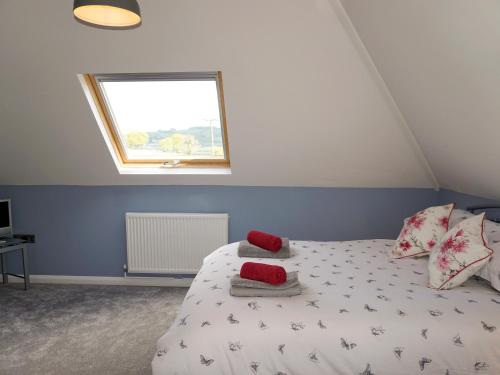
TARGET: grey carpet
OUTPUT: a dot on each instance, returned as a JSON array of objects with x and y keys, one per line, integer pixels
[{"x": 75, "y": 329}]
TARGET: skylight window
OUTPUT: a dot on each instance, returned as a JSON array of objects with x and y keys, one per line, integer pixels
[{"x": 164, "y": 120}]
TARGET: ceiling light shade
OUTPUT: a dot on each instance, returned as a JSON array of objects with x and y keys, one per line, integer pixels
[{"x": 108, "y": 13}]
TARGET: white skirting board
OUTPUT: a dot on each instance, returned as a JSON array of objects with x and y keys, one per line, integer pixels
[{"x": 106, "y": 280}]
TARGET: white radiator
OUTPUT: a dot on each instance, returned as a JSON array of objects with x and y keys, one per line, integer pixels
[{"x": 172, "y": 243}]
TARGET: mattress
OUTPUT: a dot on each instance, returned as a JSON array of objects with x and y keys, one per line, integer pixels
[{"x": 360, "y": 312}]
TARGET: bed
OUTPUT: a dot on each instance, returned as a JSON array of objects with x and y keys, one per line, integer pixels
[{"x": 359, "y": 313}]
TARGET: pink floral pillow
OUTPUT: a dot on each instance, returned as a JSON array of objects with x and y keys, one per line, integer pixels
[
  {"x": 422, "y": 231},
  {"x": 460, "y": 254}
]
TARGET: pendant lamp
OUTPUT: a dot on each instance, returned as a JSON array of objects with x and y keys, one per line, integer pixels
[{"x": 115, "y": 14}]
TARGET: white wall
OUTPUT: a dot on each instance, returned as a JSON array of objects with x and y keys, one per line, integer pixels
[
  {"x": 441, "y": 61},
  {"x": 303, "y": 108}
]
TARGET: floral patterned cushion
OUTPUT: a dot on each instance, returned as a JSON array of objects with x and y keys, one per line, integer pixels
[
  {"x": 422, "y": 231},
  {"x": 490, "y": 271},
  {"x": 460, "y": 254}
]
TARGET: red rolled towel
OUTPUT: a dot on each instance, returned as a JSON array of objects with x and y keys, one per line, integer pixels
[
  {"x": 267, "y": 273},
  {"x": 264, "y": 240}
]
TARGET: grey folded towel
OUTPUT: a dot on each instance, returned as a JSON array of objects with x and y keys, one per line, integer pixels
[
  {"x": 247, "y": 250},
  {"x": 292, "y": 280},
  {"x": 236, "y": 291}
]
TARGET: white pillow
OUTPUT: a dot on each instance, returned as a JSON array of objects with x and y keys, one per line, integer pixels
[
  {"x": 457, "y": 215},
  {"x": 491, "y": 271},
  {"x": 461, "y": 252}
]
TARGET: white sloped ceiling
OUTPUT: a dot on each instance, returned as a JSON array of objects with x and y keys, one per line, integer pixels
[
  {"x": 441, "y": 62},
  {"x": 303, "y": 107}
]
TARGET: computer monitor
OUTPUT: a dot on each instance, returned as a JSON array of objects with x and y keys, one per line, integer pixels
[{"x": 5, "y": 218}]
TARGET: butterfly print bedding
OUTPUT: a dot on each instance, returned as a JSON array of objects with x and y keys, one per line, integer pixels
[{"x": 360, "y": 312}]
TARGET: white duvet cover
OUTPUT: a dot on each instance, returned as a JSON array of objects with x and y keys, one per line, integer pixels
[{"x": 359, "y": 313}]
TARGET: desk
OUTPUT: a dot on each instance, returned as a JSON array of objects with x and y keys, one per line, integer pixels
[{"x": 15, "y": 245}]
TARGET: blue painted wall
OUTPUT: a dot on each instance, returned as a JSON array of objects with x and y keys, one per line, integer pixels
[
  {"x": 462, "y": 200},
  {"x": 81, "y": 229}
]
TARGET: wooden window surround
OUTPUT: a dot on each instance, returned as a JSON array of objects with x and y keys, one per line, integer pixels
[{"x": 208, "y": 148}]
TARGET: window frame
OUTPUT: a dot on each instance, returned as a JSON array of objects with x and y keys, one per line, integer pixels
[{"x": 98, "y": 95}]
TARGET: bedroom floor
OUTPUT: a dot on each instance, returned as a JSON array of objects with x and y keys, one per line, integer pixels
[{"x": 76, "y": 329}]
